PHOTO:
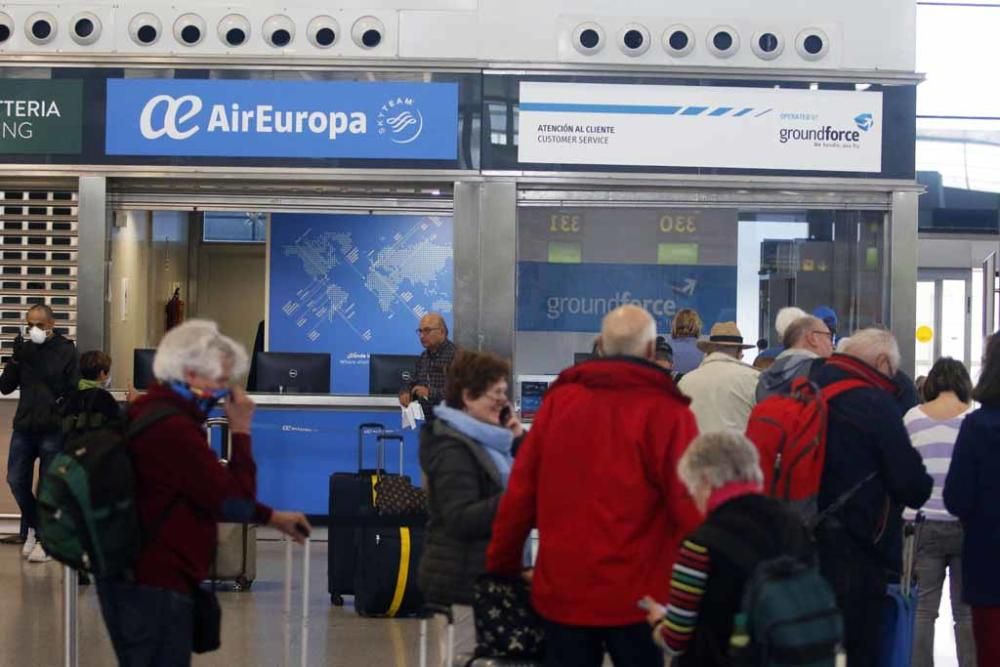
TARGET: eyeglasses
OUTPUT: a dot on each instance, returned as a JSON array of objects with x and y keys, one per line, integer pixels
[
  {"x": 823, "y": 333},
  {"x": 427, "y": 330}
]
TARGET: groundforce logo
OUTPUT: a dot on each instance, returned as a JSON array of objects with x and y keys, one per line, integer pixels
[
  {"x": 828, "y": 134},
  {"x": 179, "y": 118}
]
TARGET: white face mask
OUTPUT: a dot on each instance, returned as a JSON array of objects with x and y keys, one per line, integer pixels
[
  {"x": 37, "y": 335},
  {"x": 107, "y": 383}
]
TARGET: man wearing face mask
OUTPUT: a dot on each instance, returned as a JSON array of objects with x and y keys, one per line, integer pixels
[
  {"x": 44, "y": 368},
  {"x": 182, "y": 492},
  {"x": 870, "y": 460}
]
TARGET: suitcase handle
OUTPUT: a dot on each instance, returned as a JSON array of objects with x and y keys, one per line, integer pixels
[
  {"x": 222, "y": 424},
  {"x": 369, "y": 426},
  {"x": 381, "y": 438}
]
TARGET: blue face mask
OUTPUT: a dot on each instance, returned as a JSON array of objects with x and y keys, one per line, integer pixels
[{"x": 203, "y": 398}]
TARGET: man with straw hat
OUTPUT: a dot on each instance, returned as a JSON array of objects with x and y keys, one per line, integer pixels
[{"x": 723, "y": 388}]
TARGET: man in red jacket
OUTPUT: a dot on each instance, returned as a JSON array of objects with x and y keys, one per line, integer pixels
[
  {"x": 597, "y": 475},
  {"x": 182, "y": 492}
]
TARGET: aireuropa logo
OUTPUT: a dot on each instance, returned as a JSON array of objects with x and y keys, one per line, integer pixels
[
  {"x": 400, "y": 120},
  {"x": 179, "y": 118},
  {"x": 864, "y": 121}
]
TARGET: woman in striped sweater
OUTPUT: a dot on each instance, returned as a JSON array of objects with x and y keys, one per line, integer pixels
[
  {"x": 933, "y": 429},
  {"x": 722, "y": 473}
]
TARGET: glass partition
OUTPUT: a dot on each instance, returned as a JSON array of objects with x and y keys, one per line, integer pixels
[{"x": 575, "y": 264}]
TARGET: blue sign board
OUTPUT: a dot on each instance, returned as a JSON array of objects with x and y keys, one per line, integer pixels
[
  {"x": 354, "y": 285},
  {"x": 576, "y": 297},
  {"x": 283, "y": 119}
]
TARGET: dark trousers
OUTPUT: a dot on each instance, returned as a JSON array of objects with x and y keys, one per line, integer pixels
[
  {"x": 628, "y": 646},
  {"x": 859, "y": 583},
  {"x": 25, "y": 449},
  {"x": 986, "y": 625},
  {"x": 149, "y": 627}
]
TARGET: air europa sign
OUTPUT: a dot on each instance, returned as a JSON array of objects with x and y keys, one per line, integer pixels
[{"x": 289, "y": 119}]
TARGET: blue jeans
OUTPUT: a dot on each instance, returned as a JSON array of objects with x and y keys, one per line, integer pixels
[
  {"x": 25, "y": 448},
  {"x": 149, "y": 627}
]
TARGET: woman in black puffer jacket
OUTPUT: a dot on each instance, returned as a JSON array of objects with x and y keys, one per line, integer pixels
[{"x": 466, "y": 454}]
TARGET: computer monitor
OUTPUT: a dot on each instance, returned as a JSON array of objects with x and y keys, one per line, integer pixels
[
  {"x": 388, "y": 373},
  {"x": 581, "y": 357},
  {"x": 142, "y": 368},
  {"x": 293, "y": 373},
  {"x": 530, "y": 392}
]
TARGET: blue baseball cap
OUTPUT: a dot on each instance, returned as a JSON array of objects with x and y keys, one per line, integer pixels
[{"x": 828, "y": 315}]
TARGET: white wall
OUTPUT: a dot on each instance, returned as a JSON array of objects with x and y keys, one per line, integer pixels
[
  {"x": 954, "y": 253},
  {"x": 864, "y": 35},
  {"x": 128, "y": 316}
]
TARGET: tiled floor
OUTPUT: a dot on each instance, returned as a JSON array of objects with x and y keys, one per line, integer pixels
[{"x": 254, "y": 627}]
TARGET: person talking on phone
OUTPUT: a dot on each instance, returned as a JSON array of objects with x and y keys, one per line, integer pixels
[
  {"x": 466, "y": 454},
  {"x": 44, "y": 368},
  {"x": 182, "y": 492}
]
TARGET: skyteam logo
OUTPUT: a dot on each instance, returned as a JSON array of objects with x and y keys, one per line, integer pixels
[
  {"x": 400, "y": 120},
  {"x": 864, "y": 121}
]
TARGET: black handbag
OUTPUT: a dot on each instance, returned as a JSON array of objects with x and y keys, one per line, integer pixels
[
  {"x": 206, "y": 621},
  {"x": 506, "y": 624}
]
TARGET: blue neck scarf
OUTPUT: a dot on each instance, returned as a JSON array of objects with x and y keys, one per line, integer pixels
[{"x": 495, "y": 440}]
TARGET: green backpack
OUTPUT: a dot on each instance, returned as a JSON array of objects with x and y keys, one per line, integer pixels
[
  {"x": 788, "y": 615},
  {"x": 87, "y": 516}
]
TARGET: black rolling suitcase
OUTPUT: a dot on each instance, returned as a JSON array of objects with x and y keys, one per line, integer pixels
[{"x": 353, "y": 518}]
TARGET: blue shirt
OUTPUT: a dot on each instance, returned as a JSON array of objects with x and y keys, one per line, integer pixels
[{"x": 687, "y": 356}]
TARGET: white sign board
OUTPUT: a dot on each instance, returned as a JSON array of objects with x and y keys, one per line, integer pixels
[{"x": 693, "y": 126}]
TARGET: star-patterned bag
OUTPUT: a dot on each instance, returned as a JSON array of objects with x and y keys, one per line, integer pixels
[
  {"x": 395, "y": 495},
  {"x": 506, "y": 624}
]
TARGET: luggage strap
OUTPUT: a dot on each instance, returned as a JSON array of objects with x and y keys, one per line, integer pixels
[{"x": 403, "y": 572}]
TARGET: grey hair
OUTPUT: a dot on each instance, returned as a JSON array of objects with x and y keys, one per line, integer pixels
[
  {"x": 197, "y": 346},
  {"x": 868, "y": 344},
  {"x": 785, "y": 317},
  {"x": 720, "y": 457},
  {"x": 627, "y": 331},
  {"x": 796, "y": 332}
]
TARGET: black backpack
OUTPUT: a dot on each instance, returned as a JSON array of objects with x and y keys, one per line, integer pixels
[{"x": 87, "y": 517}]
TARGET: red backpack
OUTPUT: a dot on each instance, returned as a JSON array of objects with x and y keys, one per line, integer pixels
[{"x": 790, "y": 434}]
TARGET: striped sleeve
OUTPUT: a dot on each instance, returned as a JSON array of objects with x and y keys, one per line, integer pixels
[{"x": 687, "y": 586}]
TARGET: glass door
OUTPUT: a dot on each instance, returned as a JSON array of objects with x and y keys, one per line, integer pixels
[{"x": 944, "y": 318}]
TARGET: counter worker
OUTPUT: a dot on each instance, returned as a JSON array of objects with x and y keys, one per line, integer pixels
[{"x": 432, "y": 366}]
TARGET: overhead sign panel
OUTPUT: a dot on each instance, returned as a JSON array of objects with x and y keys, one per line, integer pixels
[
  {"x": 695, "y": 126},
  {"x": 40, "y": 116},
  {"x": 283, "y": 119}
]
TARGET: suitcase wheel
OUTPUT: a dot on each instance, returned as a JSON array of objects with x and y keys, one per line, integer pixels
[
  {"x": 336, "y": 600},
  {"x": 243, "y": 583}
]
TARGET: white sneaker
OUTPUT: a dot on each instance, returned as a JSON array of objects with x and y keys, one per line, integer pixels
[
  {"x": 29, "y": 543},
  {"x": 38, "y": 555}
]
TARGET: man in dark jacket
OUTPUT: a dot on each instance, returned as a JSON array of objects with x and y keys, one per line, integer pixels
[
  {"x": 432, "y": 366},
  {"x": 44, "y": 368},
  {"x": 868, "y": 452},
  {"x": 597, "y": 475}
]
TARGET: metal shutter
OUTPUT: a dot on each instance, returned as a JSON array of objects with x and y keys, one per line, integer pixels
[{"x": 38, "y": 259}]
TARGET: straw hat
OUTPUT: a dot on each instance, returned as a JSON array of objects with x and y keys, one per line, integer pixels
[{"x": 725, "y": 334}]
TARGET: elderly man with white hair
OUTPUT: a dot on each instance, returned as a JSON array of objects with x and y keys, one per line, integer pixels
[
  {"x": 869, "y": 459},
  {"x": 182, "y": 491},
  {"x": 597, "y": 475}
]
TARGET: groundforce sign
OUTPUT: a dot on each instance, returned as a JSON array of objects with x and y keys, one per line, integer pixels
[
  {"x": 40, "y": 116},
  {"x": 694, "y": 126}
]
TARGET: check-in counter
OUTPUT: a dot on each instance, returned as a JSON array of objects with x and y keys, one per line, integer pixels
[{"x": 298, "y": 441}]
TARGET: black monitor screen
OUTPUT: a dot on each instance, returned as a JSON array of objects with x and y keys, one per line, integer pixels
[
  {"x": 388, "y": 373},
  {"x": 142, "y": 369},
  {"x": 581, "y": 357},
  {"x": 293, "y": 373}
]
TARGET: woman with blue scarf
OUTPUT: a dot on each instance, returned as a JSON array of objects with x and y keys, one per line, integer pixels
[{"x": 466, "y": 454}]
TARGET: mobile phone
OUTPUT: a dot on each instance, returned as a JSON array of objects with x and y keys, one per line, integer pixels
[
  {"x": 505, "y": 415},
  {"x": 643, "y": 604}
]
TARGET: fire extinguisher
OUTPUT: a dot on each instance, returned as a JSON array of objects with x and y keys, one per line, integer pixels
[{"x": 175, "y": 310}]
